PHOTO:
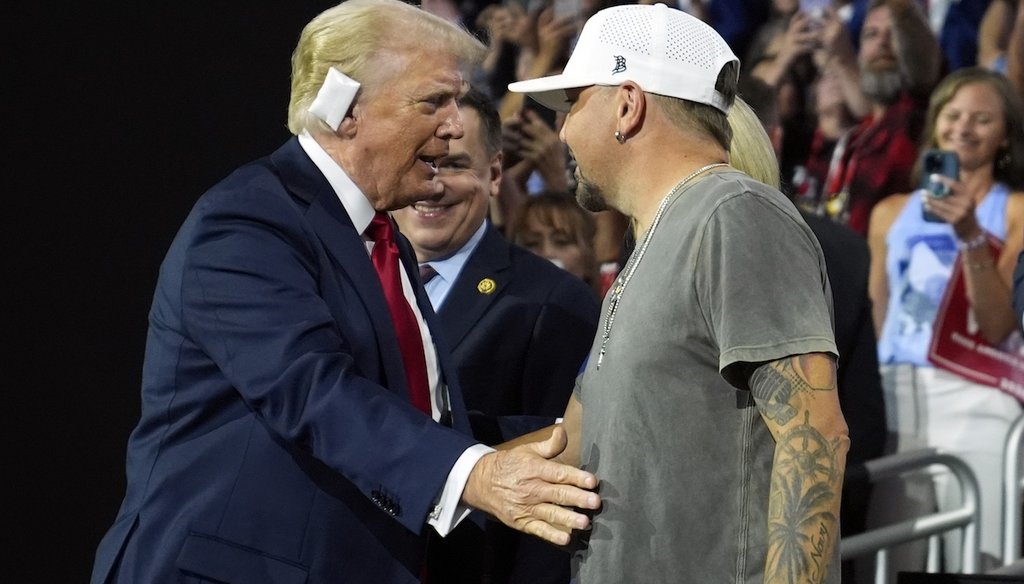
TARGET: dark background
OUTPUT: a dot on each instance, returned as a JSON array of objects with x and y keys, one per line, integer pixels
[{"x": 118, "y": 117}]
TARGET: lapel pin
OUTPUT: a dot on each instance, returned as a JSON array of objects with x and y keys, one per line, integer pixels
[{"x": 486, "y": 286}]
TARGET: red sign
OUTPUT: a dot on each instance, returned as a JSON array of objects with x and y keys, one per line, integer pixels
[{"x": 957, "y": 346}]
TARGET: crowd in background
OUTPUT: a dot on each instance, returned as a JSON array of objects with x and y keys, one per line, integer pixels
[
  {"x": 810, "y": 61},
  {"x": 850, "y": 94}
]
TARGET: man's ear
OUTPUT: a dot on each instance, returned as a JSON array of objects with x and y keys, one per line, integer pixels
[
  {"x": 631, "y": 103},
  {"x": 350, "y": 123},
  {"x": 495, "y": 173}
]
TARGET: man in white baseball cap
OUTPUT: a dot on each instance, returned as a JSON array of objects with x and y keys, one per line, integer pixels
[{"x": 708, "y": 405}]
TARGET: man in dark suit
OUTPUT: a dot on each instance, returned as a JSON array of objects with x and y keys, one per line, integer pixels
[
  {"x": 519, "y": 328},
  {"x": 860, "y": 387},
  {"x": 300, "y": 423}
]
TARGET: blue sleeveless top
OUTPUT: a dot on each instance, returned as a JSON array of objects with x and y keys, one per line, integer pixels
[{"x": 919, "y": 263}]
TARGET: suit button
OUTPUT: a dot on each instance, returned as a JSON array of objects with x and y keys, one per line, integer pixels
[{"x": 385, "y": 502}]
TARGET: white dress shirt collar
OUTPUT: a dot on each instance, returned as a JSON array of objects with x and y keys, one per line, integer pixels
[
  {"x": 358, "y": 207},
  {"x": 449, "y": 268}
]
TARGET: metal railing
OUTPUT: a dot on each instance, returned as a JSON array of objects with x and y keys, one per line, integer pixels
[
  {"x": 1013, "y": 487},
  {"x": 931, "y": 526}
]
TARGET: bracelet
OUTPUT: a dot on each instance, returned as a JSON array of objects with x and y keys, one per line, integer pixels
[{"x": 975, "y": 242}]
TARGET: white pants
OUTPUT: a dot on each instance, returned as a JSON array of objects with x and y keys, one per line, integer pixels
[{"x": 929, "y": 407}]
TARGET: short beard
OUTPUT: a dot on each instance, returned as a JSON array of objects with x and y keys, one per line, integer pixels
[
  {"x": 590, "y": 197},
  {"x": 883, "y": 87}
]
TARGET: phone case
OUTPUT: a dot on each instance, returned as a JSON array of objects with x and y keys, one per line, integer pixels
[
  {"x": 814, "y": 8},
  {"x": 943, "y": 162}
]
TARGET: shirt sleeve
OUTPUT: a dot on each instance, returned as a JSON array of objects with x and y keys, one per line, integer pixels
[
  {"x": 763, "y": 290},
  {"x": 448, "y": 512}
]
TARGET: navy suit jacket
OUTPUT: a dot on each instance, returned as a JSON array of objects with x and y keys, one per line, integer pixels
[
  {"x": 277, "y": 442},
  {"x": 518, "y": 346},
  {"x": 859, "y": 384}
]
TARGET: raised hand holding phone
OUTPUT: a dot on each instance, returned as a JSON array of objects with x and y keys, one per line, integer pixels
[
  {"x": 935, "y": 164},
  {"x": 815, "y": 9}
]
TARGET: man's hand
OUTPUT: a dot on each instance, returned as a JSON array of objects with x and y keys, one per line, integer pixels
[
  {"x": 527, "y": 491},
  {"x": 540, "y": 145}
]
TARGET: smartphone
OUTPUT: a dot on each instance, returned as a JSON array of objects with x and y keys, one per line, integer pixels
[
  {"x": 815, "y": 9},
  {"x": 943, "y": 162},
  {"x": 567, "y": 8}
]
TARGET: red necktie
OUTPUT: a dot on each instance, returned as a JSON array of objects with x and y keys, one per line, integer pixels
[{"x": 385, "y": 260}]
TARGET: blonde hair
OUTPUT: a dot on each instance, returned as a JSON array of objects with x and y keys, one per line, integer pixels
[
  {"x": 350, "y": 36},
  {"x": 752, "y": 150}
]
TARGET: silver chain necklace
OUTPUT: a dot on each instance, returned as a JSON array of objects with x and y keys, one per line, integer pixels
[{"x": 634, "y": 260}]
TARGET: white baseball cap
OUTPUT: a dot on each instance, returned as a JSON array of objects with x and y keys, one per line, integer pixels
[{"x": 663, "y": 50}]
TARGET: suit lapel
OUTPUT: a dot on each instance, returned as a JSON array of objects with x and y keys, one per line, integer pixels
[
  {"x": 334, "y": 229},
  {"x": 469, "y": 297},
  {"x": 332, "y": 226}
]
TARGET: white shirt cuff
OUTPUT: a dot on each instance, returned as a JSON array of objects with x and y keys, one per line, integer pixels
[{"x": 448, "y": 511}]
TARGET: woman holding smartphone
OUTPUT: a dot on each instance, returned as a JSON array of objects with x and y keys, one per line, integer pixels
[{"x": 976, "y": 116}]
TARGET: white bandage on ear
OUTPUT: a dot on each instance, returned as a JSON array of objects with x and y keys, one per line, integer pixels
[{"x": 334, "y": 98}]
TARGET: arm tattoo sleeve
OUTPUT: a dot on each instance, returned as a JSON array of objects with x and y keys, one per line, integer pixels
[{"x": 807, "y": 472}]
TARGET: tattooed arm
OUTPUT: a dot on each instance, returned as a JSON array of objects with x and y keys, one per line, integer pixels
[{"x": 798, "y": 402}]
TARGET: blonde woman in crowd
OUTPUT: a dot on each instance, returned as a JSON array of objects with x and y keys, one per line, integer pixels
[{"x": 976, "y": 114}]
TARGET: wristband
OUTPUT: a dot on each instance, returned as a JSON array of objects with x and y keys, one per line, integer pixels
[{"x": 975, "y": 242}]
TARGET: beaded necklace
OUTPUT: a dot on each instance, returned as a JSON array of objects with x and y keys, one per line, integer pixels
[{"x": 638, "y": 255}]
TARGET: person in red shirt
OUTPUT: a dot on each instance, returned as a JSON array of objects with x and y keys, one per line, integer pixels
[{"x": 887, "y": 83}]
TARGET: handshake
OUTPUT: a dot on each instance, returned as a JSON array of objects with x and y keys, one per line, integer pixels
[{"x": 524, "y": 486}]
